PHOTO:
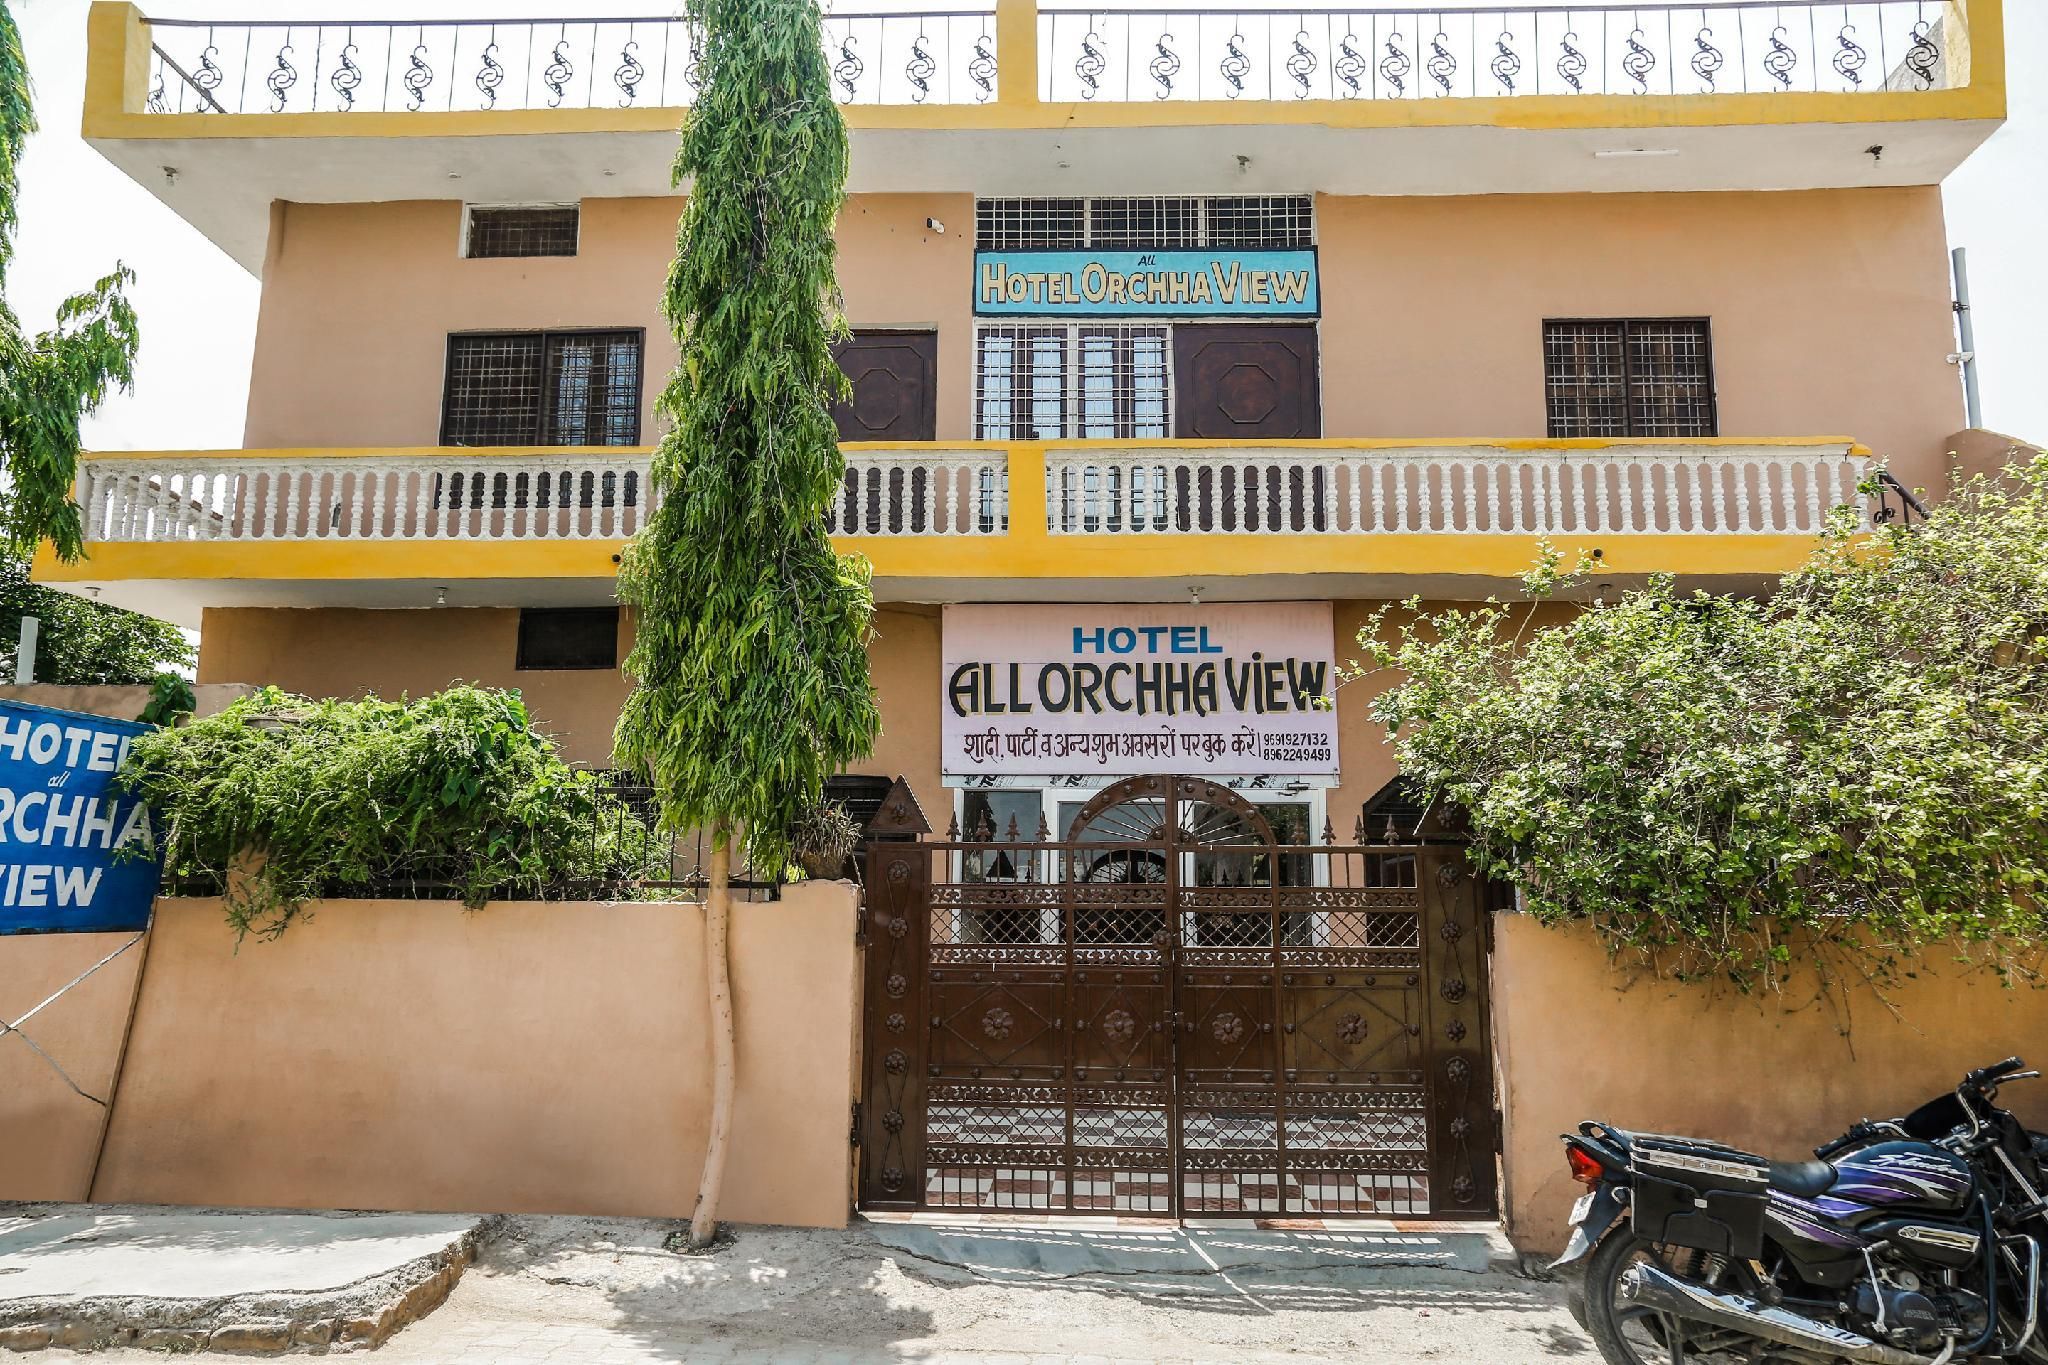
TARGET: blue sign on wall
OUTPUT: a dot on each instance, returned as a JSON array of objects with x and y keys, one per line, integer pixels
[
  {"x": 61, "y": 824},
  {"x": 1207, "y": 284}
]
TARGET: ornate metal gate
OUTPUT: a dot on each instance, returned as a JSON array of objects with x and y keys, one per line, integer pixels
[{"x": 1168, "y": 1011}]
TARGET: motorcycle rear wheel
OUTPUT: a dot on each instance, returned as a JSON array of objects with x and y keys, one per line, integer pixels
[{"x": 1627, "y": 1335}]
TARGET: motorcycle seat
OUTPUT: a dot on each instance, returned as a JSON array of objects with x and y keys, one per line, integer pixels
[{"x": 1802, "y": 1179}]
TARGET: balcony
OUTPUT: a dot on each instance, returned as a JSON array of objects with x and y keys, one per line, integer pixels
[
  {"x": 1009, "y": 97},
  {"x": 174, "y": 532}
]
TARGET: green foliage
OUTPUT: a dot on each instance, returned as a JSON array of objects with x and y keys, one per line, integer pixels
[
  {"x": 455, "y": 792},
  {"x": 750, "y": 660},
  {"x": 170, "y": 700},
  {"x": 47, "y": 383},
  {"x": 81, "y": 641},
  {"x": 1844, "y": 774}
]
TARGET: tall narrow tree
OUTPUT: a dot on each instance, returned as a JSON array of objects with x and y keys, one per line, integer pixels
[
  {"x": 48, "y": 382},
  {"x": 750, "y": 662}
]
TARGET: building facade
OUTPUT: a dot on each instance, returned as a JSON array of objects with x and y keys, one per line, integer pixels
[{"x": 1181, "y": 342}]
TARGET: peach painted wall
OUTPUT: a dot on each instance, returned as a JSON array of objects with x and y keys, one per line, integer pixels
[
  {"x": 1579, "y": 1038},
  {"x": 526, "y": 1057},
  {"x": 49, "y": 1134},
  {"x": 344, "y": 652},
  {"x": 1830, "y": 309},
  {"x": 358, "y": 301},
  {"x": 328, "y": 651}
]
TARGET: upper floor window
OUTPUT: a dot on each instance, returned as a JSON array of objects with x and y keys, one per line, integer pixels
[
  {"x": 542, "y": 388},
  {"x": 1629, "y": 377},
  {"x": 1047, "y": 381},
  {"x": 544, "y": 230},
  {"x": 1163, "y": 223}
]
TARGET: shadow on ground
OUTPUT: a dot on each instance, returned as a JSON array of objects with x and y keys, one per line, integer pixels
[{"x": 895, "y": 1291}]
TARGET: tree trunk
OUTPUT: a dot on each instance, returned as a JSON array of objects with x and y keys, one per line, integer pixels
[{"x": 718, "y": 978}]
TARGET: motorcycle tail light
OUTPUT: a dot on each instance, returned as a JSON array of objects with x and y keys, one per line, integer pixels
[{"x": 1585, "y": 1168}]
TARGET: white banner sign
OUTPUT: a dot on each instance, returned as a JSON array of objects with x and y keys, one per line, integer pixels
[{"x": 1241, "y": 688}]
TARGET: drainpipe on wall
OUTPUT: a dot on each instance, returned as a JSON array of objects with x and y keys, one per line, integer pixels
[
  {"x": 25, "y": 653},
  {"x": 1966, "y": 340}
]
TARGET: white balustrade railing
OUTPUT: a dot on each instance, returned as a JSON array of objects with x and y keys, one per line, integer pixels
[
  {"x": 931, "y": 492},
  {"x": 1634, "y": 489},
  {"x": 397, "y": 495},
  {"x": 1144, "y": 489}
]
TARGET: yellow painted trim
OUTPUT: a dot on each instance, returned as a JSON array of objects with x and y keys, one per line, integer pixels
[
  {"x": 451, "y": 560},
  {"x": 117, "y": 74},
  {"x": 1514, "y": 443},
  {"x": 1206, "y": 558},
  {"x": 1020, "y": 555}
]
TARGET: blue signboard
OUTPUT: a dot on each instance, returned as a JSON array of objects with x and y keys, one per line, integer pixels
[
  {"x": 1152, "y": 284},
  {"x": 62, "y": 825}
]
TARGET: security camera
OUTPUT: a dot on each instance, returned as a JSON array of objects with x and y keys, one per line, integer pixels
[{"x": 935, "y": 225}]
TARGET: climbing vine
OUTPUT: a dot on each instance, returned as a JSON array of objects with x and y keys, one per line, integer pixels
[
  {"x": 1850, "y": 770},
  {"x": 50, "y": 381}
]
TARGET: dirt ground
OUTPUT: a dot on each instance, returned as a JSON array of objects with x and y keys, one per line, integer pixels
[{"x": 570, "y": 1290}]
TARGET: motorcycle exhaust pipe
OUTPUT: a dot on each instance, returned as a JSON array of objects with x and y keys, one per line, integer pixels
[{"x": 1650, "y": 1287}]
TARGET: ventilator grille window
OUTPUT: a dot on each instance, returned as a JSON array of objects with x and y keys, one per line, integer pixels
[
  {"x": 1270, "y": 222},
  {"x": 523, "y": 231},
  {"x": 1245, "y": 222},
  {"x": 1145, "y": 224},
  {"x": 1029, "y": 224},
  {"x": 568, "y": 637},
  {"x": 542, "y": 388},
  {"x": 1046, "y": 382},
  {"x": 1629, "y": 377}
]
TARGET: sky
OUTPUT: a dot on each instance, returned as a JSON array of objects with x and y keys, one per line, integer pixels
[{"x": 198, "y": 309}]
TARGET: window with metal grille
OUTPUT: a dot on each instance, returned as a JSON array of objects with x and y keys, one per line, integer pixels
[
  {"x": 549, "y": 231},
  {"x": 1263, "y": 221},
  {"x": 1144, "y": 224},
  {"x": 568, "y": 637},
  {"x": 1271, "y": 222},
  {"x": 542, "y": 388},
  {"x": 1629, "y": 377},
  {"x": 1029, "y": 224},
  {"x": 1047, "y": 381}
]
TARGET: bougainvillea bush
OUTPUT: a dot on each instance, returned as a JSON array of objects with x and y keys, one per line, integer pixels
[{"x": 1850, "y": 770}]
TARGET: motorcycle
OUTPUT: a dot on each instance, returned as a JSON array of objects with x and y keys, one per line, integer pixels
[{"x": 1912, "y": 1241}]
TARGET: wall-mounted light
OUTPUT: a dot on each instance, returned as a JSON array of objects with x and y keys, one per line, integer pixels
[
  {"x": 441, "y": 597},
  {"x": 1194, "y": 595}
]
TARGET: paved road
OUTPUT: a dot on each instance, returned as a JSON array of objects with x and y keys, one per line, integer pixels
[{"x": 563, "y": 1291}]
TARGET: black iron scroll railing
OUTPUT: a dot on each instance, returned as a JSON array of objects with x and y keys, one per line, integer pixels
[
  {"x": 277, "y": 67},
  {"x": 1473, "y": 51},
  {"x": 1892, "y": 501},
  {"x": 1115, "y": 54}
]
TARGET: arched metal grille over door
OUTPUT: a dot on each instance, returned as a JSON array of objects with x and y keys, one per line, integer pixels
[{"x": 1164, "y": 1009}]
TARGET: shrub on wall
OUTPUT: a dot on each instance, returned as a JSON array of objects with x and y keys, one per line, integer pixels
[
  {"x": 1846, "y": 771},
  {"x": 455, "y": 794}
]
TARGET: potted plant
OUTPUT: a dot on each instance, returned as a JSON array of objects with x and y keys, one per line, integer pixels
[{"x": 823, "y": 840}]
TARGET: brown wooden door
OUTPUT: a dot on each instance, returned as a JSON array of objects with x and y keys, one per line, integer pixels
[
  {"x": 895, "y": 388},
  {"x": 1235, "y": 381}
]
